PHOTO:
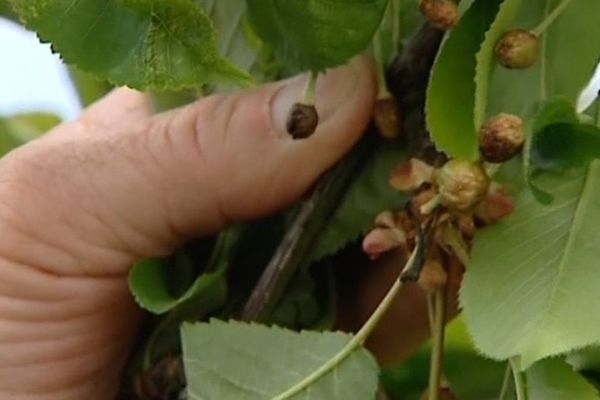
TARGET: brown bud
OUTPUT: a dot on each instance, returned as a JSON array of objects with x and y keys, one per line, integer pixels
[
  {"x": 433, "y": 275},
  {"x": 302, "y": 120},
  {"x": 461, "y": 184},
  {"x": 497, "y": 205},
  {"x": 443, "y": 14},
  {"x": 411, "y": 175},
  {"x": 501, "y": 138},
  {"x": 382, "y": 240},
  {"x": 387, "y": 118},
  {"x": 518, "y": 49}
]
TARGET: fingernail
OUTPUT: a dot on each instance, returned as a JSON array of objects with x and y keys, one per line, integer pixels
[{"x": 334, "y": 87}]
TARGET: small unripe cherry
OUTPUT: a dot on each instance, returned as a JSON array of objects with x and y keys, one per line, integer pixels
[
  {"x": 518, "y": 49},
  {"x": 302, "y": 120},
  {"x": 433, "y": 276},
  {"x": 387, "y": 118},
  {"x": 461, "y": 184},
  {"x": 442, "y": 14},
  {"x": 501, "y": 138}
]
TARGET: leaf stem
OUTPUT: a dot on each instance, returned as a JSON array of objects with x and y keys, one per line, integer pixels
[
  {"x": 356, "y": 341},
  {"x": 518, "y": 378},
  {"x": 437, "y": 350},
  {"x": 396, "y": 9},
  {"x": 310, "y": 90},
  {"x": 505, "y": 382},
  {"x": 550, "y": 18},
  {"x": 383, "y": 92}
]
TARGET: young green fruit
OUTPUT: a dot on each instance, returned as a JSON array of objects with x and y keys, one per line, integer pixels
[
  {"x": 501, "y": 138},
  {"x": 387, "y": 118},
  {"x": 442, "y": 14},
  {"x": 302, "y": 120},
  {"x": 461, "y": 184},
  {"x": 518, "y": 49}
]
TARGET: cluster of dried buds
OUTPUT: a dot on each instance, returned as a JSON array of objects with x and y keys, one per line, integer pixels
[{"x": 455, "y": 199}]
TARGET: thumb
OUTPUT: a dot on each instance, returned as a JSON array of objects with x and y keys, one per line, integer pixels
[{"x": 253, "y": 165}]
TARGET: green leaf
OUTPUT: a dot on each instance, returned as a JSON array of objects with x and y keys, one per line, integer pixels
[
  {"x": 567, "y": 61},
  {"x": 554, "y": 379},
  {"x": 450, "y": 103},
  {"x": 486, "y": 59},
  {"x": 146, "y": 44},
  {"x": 369, "y": 194},
  {"x": 316, "y": 34},
  {"x": 157, "y": 285},
  {"x": 530, "y": 287},
  {"x": 560, "y": 141},
  {"x": 240, "y": 361},
  {"x": 149, "y": 283},
  {"x": 18, "y": 129}
]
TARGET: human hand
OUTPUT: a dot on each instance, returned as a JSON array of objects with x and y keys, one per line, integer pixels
[{"x": 81, "y": 205}]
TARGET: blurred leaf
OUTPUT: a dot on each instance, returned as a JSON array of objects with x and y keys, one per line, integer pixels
[
  {"x": 554, "y": 379},
  {"x": 369, "y": 194},
  {"x": 244, "y": 361},
  {"x": 145, "y": 44},
  {"x": 529, "y": 289},
  {"x": 486, "y": 59},
  {"x": 89, "y": 88},
  {"x": 450, "y": 103},
  {"x": 18, "y": 129},
  {"x": 316, "y": 34}
]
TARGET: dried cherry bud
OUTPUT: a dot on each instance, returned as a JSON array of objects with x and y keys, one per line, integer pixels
[
  {"x": 387, "y": 118},
  {"x": 382, "y": 240},
  {"x": 497, "y": 205},
  {"x": 302, "y": 120},
  {"x": 518, "y": 49},
  {"x": 411, "y": 175},
  {"x": 461, "y": 184},
  {"x": 501, "y": 138},
  {"x": 443, "y": 14},
  {"x": 433, "y": 275}
]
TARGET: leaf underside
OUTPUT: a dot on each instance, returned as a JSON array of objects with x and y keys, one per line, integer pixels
[
  {"x": 316, "y": 34},
  {"x": 253, "y": 362}
]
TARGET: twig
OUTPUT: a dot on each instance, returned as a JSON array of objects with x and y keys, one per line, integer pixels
[{"x": 437, "y": 350}]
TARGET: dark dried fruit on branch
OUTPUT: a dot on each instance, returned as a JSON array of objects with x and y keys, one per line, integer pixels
[
  {"x": 501, "y": 138},
  {"x": 518, "y": 49},
  {"x": 433, "y": 276},
  {"x": 461, "y": 184},
  {"x": 387, "y": 118},
  {"x": 302, "y": 120},
  {"x": 443, "y": 14}
]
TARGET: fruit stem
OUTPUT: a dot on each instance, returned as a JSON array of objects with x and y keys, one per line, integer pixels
[
  {"x": 505, "y": 382},
  {"x": 395, "y": 9},
  {"x": 383, "y": 92},
  {"x": 541, "y": 28},
  {"x": 518, "y": 378},
  {"x": 431, "y": 205},
  {"x": 437, "y": 348},
  {"x": 310, "y": 90},
  {"x": 357, "y": 340}
]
